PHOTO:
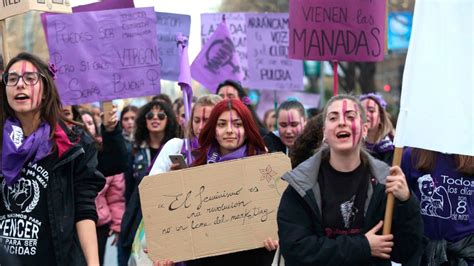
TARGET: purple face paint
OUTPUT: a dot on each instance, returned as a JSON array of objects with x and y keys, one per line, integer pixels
[
  {"x": 344, "y": 109},
  {"x": 353, "y": 128},
  {"x": 201, "y": 123}
]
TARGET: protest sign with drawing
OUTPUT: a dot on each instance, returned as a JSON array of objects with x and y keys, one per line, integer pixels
[
  {"x": 236, "y": 25},
  {"x": 213, "y": 209},
  {"x": 218, "y": 60}
]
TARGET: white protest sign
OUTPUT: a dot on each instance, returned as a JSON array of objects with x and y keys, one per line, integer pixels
[
  {"x": 437, "y": 102},
  {"x": 10, "y": 8}
]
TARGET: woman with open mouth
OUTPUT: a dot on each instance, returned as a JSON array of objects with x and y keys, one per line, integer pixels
[
  {"x": 49, "y": 178},
  {"x": 332, "y": 211}
]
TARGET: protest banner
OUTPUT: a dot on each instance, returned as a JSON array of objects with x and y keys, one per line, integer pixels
[
  {"x": 213, "y": 209},
  {"x": 437, "y": 101},
  {"x": 105, "y": 55},
  {"x": 168, "y": 26},
  {"x": 337, "y": 30},
  {"x": 10, "y": 8},
  {"x": 236, "y": 24},
  {"x": 217, "y": 61},
  {"x": 267, "y": 44}
]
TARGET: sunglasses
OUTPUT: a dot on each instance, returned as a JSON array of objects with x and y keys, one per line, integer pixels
[{"x": 150, "y": 115}]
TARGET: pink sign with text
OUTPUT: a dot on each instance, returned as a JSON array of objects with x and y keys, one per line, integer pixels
[{"x": 337, "y": 30}]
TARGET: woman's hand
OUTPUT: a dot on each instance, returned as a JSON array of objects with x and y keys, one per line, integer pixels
[
  {"x": 166, "y": 262},
  {"x": 380, "y": 245},
  {"x": 270, "y": 244},
  {"x": 112, "y": 120},
  {"x": 397, "y": 184}
]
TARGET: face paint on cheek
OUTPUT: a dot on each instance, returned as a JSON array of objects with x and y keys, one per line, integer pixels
[
  {"x": 354, "y": 130},
  {"x": 201, "y": 123},
  {"x": 344, "y": 109}
]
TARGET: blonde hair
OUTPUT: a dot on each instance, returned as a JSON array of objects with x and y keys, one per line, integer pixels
[{"x": 206, "y": 100}]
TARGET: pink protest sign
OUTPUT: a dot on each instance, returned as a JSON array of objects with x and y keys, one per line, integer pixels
[
  {"x": 268, "y": 63},
  {"x": 337, "y": 30}
]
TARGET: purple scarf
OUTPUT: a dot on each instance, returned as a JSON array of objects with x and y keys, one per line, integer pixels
[
  {"x": 214, "y": 157},
  {"x": 194, "y": 146},
  {"x": 17, "y": 151},
  {"x": 384, "y": 146}
]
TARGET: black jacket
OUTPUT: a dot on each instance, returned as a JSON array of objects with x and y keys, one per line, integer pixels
[
  {"x": 113, "y": 159},
  {"x": 73, "y": 187},
  {"x": 302, "y": 237},
  {"x": 274, "y": 143}
]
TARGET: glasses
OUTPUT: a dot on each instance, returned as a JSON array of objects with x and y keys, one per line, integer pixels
[
  {"x": 150, "y": 115},
  {"x": 29, "y": 78}
]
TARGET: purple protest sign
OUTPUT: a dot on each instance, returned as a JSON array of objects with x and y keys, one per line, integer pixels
[
  {"x": 236, "y": 24},
  {"x": 104, "y": 5},
  {"x": 337, "y": 30},
  {"x": 105, "y": 55},
  {"x": 217, "y": 61},
  {"x": 168, "y": 25},
  {"x": 268, "y": 63}
]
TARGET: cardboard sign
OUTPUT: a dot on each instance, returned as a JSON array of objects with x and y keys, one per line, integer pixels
[
  {"x": 268, "y": 64},
  {"x": 236, "y": 24},
  {"x": 213, "y": 209},
  {"x": 9, "y": 8},
  {"x": 168, "y": 26},
  {"x": 337, "y": 30},
  {"x": 105, "y": 55}
]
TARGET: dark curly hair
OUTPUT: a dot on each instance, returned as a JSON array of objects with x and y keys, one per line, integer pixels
[
  {"x": 308, "y": 141},
  {"x": 142, "y": 134}
]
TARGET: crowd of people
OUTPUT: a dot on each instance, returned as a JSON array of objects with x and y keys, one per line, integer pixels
[{"x": 70, "y": 177}]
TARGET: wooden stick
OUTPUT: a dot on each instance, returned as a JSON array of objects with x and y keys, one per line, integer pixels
[
  {"x": 387, "y": 221},
  {"x": 6, "y": 53}
]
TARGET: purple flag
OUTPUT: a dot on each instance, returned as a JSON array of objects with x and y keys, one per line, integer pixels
[
  {"x": 217, "y": 61},
  {"x": 184, "y": 81},
  {"x": 104, "y": 5}
]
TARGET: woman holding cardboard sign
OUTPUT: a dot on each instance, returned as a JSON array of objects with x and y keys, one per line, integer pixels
[
  {"x": 48, "y": 175},
  {"x": 331, "y": 213},
  {"x": 230, "y": 133}
]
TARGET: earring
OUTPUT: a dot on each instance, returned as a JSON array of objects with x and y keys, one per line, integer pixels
[{"x": 324, "y": 139}]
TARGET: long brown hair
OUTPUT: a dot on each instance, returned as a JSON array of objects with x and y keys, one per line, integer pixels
[
  {"x": 425, "y": 160},
  {"x": 50, "y": 108},
  {"x": 207, "y": 137}
]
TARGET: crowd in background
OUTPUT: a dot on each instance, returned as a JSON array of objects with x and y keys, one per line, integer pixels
[{"x": 329, "y": 215}]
